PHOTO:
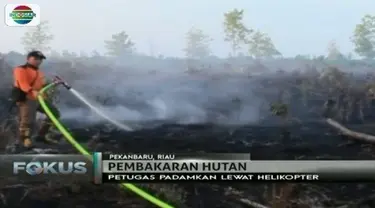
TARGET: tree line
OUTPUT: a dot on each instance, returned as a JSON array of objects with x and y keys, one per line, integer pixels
[{"x": 237, "y": 34}]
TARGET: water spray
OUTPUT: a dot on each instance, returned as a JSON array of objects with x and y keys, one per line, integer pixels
[
  {"x": 58, "y": 80},
  {"x": 133, "y": 188}
]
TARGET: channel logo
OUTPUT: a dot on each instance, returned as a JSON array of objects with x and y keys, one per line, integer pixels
[{"x": 22, "y": 15}]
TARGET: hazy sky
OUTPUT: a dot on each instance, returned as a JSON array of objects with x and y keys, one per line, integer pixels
[{"x": 296, "y": 27}]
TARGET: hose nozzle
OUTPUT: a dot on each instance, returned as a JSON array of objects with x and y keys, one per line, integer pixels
[{"x": 58, "y": 80}]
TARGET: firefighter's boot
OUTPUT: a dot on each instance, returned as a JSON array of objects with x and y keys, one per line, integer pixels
[{"x": 24, "y": 135}]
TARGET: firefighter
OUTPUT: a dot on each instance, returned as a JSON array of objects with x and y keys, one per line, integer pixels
[{"x": 28, "y": 81}]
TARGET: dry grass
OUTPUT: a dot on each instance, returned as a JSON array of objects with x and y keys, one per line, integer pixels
[
  {"x": 281, "y": 195},
  {"x": 173, "y": 192},
  {"x": 6, "y": 134},
  {"x": 68, "y": 194},
  {"x": 274, "y": 196}
]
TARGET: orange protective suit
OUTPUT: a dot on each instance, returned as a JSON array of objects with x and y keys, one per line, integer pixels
[{"x": 27, "y": 79}]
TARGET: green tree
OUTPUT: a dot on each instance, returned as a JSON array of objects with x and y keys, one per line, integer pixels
[
  {"x": 54, "y": 54},
  {"x": 235, "y": 30},
  {"x": 38, "y": 38},
  {"x": 197, "y": 44},
  {"x": 95, "y": 53},
  {"x": 69, "y": 55},
  {"x": 334, "y": 51},
  {"x": 120, "y": 44},
  {"x": 83, "y": 54},
  {"x": 303, "y": 57},
  {"x": 349, "y": 56},
  {"x": 261, "y": 46},
  {"x": 364, "y": 37}
]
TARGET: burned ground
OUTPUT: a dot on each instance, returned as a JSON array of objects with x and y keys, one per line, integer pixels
[
  {"x": 303, "y": 142},
  {"x": 296, "y": 132}
]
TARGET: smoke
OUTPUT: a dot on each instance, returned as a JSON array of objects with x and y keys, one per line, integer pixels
[{"x": 166, "y": 97}]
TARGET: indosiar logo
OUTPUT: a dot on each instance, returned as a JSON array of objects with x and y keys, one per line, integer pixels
[
  {"x": 38, "y": 168},
  {"x": 22, "y": 15}
]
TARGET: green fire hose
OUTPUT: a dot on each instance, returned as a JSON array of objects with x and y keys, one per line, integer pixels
[{"x": 83, "y": 151}]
